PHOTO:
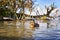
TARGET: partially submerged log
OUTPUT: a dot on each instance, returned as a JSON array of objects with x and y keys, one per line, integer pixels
[{"x": 6, "y": 19}]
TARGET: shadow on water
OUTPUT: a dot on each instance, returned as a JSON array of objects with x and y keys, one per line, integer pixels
[
  {"x": 14, "y": 38},
  {"x": 14, "y": 30}
]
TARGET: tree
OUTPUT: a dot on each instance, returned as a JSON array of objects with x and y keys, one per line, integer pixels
[
  {"x": 25, "y": 4},
  {"x": 50, "y": 10},
  {"x": 12, "y": 5}
]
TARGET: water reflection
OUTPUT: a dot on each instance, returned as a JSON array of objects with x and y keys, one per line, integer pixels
[
  {"x": 48, "y": 29},
  {"x": 14, "y": 28}
]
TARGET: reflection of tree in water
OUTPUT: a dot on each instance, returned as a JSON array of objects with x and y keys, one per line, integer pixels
[
  {"x": 22, "y": 31},
  {"x": 53, "y": 23},
  {"x": 48, "y": 24}
]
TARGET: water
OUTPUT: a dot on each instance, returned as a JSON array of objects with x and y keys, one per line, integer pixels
[{"x": 20, "y": 30}]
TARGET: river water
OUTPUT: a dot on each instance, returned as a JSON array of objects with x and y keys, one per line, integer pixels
[{"x": 47, "y": 30}]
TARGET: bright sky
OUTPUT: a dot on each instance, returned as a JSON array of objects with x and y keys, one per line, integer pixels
[
  {"x": 42, "y": 3},
  {"x": 41, "y": 6}
]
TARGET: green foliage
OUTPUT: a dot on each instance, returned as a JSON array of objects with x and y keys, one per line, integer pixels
[
  {"x": 5, "y": 12},
  {"x": 12, "y": 7}
]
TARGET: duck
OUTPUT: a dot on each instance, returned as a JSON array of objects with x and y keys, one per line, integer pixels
[{"x": 36, "y": 25}]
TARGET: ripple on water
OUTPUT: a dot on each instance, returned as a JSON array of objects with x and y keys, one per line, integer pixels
[{"x": 42, "y": 33}]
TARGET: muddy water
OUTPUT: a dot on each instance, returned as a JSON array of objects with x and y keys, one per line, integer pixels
[{"x": 46, "y": 30}]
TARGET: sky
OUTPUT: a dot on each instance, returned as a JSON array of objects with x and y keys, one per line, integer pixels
[
  {"x": 42, "y": 3},
  {"x": 40, "y": 6}
]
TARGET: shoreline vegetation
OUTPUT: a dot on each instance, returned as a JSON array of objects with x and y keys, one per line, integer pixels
[
  {"x": 16, "y": 11},
  {"x": 11, "y": 19}
]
